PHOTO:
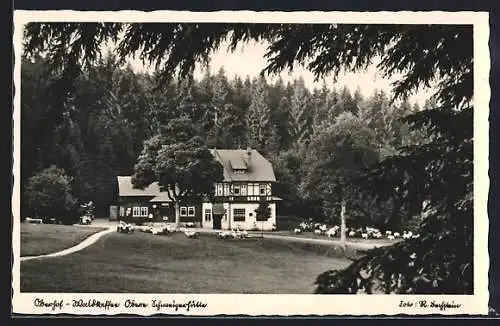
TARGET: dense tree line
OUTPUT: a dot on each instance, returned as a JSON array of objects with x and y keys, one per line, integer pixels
[{"x": 99, "y": 132}]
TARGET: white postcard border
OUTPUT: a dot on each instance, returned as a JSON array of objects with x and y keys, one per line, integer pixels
[{"x": 254, "y": 304}]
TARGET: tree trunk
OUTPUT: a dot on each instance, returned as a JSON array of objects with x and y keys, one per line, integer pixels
[
  {"x": 177, "y": 215},
  {"x": 342, "y": 224},
  {"x": 229, "y": 224}
]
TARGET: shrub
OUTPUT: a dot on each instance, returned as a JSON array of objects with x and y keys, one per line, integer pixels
[
  {"x": 48, "y": 194},
  {"x": 263, "y": 211}
]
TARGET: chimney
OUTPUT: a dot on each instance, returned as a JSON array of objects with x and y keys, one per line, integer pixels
[{"x": 248, "y": 156}]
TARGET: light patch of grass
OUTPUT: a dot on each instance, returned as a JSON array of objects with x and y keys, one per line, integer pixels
[{"x": 40, "y": 239}]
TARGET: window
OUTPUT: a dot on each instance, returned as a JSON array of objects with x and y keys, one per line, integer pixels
[
  {"x": 187, "y": 211},
  {"x": 243, "y": 190},
  {"x": 208, "y": 215},
  {"x": 239, "y": 214},
  {"x": 139, "y": 211},
  {"x": 122, "y": 211},
  {"x": 262, "y": 189},
  {"x": 236, "y": 189}
]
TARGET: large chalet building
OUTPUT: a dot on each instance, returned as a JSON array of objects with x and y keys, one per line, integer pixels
[{"x": 248, "y": 180}]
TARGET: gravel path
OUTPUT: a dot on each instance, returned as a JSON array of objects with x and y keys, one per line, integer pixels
[{"x": 354, "y": 245}]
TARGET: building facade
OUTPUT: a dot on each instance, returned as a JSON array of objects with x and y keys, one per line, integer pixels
[
  {"x": 248, "y": 182},
  {"x": 152, "y": 205}
]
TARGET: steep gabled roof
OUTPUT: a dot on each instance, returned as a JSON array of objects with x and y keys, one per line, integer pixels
[
  {"x": 126, "y": 189},
  {"x": 255, "y": 167}
]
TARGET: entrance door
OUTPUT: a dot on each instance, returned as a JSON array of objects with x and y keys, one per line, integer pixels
[{"x": 217, "y": 219}]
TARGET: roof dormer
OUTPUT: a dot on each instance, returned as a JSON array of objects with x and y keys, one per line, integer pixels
[{"x": 238, "y": 164}]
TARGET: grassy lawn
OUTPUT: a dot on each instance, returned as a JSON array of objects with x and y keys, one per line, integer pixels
[
  {"x": 143, "y": 263},
  {"x": 39, "y": 239}
]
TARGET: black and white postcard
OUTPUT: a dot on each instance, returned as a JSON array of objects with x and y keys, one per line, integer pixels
[{"x": 250, "y": 163}]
